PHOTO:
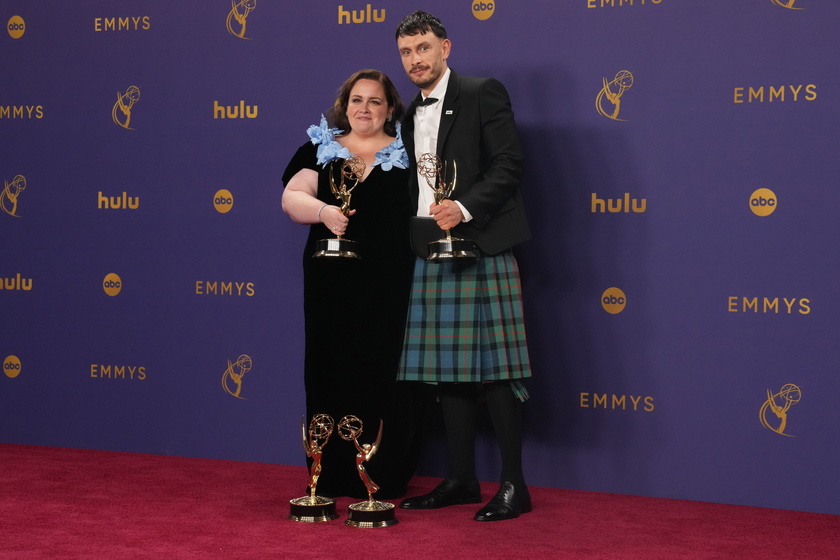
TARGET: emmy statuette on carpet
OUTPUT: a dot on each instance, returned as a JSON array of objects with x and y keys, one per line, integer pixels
[
  {"x": 314, "y": 508},
  {"x": 372, "y": 513},
  {"x": 434, "y": 171},
  {"x": 352, "y": 170}
]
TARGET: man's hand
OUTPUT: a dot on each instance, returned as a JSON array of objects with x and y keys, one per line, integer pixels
[{"x": 447, "y": 214}]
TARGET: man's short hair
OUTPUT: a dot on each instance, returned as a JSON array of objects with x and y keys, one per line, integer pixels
[{"x": 419, "y": 23}]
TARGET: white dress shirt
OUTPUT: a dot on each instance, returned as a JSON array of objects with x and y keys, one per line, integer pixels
[{"x": 426, "y": 126}]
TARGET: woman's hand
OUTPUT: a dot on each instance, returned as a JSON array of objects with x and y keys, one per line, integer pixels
[{"x": 335, "y": 221}]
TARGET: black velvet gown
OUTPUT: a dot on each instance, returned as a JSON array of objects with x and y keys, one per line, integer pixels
[{"x": 355, "y": 311}]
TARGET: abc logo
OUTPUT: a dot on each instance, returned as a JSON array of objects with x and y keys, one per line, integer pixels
[
  {"x": 16, "y": 27},
  {"x": 112, "y": 284},
  {"x": 223, "y": 201},
  {"x": 613, "y": 300},
  {"x": 763, "y": 202},
  {"x": 483, "y": 10},
  {"x": 11, "y": 366}
]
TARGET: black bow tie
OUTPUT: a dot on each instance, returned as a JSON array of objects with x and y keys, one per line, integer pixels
[{"x": 427, "y": 101}]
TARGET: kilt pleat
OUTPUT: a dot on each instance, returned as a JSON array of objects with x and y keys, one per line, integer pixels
[{"x": 465, "y": 323}]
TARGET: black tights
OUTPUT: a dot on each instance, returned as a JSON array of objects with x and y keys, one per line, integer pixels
[{"x": 460, "y": 409}]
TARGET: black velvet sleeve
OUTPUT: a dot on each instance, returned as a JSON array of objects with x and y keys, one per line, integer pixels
[{"x": 304, "y": 158}]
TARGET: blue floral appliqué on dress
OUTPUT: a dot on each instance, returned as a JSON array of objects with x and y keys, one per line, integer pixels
[{"x": 329, "y": 149}]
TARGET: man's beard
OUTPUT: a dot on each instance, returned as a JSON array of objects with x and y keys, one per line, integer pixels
[{"x": 425, "y": 82}]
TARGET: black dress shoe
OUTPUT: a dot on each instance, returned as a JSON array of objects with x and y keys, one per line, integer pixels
[
  {"x": 509, "y": 502},
  {"x": 449, "y": 492}
]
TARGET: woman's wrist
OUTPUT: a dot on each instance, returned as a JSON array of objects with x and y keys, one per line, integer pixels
[{"x": 319, "y": 212}]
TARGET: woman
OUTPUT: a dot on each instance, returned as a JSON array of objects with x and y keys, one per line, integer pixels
[{"x": 355, "y": 308}]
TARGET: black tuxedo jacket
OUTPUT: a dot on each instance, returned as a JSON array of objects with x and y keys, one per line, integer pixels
[{"x": 478, "y": 131}]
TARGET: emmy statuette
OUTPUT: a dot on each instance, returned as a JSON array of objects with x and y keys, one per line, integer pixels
[
  {"x": 314, "y": 508},
  {"x": 352, "y": 170},
  {"x": 433, "y": 170},
  {"x": 372, "y": 513}
]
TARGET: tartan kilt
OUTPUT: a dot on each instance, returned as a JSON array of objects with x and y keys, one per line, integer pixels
[{"x": 465, "y": 323}]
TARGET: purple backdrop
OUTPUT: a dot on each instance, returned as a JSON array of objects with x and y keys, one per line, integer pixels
[{"x": 681, "y": 184}]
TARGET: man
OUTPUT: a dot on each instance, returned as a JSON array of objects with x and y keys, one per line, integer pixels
[{"x": 465, "y": 330}]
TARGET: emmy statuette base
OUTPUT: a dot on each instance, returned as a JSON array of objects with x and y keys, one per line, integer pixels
[
  {"x": 312, "y": 509},
  {"x": 337, "y": 247},
  {"x": 450, "y": 248},
  {"x": 371, "y": 514}
]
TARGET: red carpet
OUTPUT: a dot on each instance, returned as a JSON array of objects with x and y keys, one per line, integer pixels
[{"x": 65, "y": 503}]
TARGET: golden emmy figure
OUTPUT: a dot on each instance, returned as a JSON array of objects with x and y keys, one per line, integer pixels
[
  {"x": 125, "y": 103},
  {"x": 10, "y": 193},
  {"x": 434, "y": 171},
  {"x": 314, "y": 508},
  {"x": 246, "y": 7},
  {"x": 622, "y": 82},
  {"x": 371, "y": 513},
  {"x": 352, "y": 170}
]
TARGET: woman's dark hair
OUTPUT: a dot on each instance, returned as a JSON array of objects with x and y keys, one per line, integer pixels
[{"x": 338, "y": 113}]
